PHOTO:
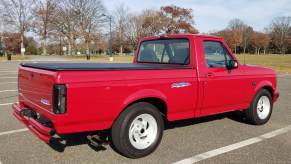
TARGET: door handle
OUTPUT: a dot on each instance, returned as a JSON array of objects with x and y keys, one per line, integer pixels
[
  {"x": 180, "y": 85},
  {"x": 210, "y": 74}
]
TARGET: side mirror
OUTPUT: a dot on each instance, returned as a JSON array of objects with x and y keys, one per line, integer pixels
[{"x": 231, "y": 64}]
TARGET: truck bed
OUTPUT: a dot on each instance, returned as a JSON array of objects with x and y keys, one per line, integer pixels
[{"x": 101, "y": 66}]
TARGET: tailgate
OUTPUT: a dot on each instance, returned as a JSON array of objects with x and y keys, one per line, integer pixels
[{"x": 35, "y": 87}]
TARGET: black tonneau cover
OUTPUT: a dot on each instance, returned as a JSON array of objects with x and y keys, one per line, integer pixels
[{"x": 100, "y": 66}]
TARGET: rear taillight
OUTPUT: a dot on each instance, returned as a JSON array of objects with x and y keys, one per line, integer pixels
[{"x": 59, "y": 99}]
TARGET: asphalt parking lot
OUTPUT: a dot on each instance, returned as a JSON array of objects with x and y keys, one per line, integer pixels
[{"x": 217, "y": 139}]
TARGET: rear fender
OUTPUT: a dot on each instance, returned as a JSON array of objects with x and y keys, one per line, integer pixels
[{"x": 142, "y": 94}]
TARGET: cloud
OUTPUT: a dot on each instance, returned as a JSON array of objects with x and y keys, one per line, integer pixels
[{"x": 212, "y": 15}]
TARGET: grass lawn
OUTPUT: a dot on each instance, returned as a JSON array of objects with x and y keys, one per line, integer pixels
[
  {"x": 281, "y": 63},
  {"x": 105, "y": 58},
  {"x": 14, "y": 57}
]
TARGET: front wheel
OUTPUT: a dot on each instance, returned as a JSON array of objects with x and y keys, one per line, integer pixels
[
  {"x": 260, "y": 108},
  {"x": 138, "y": 130}
]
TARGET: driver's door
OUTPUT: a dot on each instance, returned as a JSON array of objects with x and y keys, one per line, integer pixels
[{"x": 223, "y": 88}]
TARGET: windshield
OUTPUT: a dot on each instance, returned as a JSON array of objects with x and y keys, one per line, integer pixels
[{"x": 166, "y": 51}]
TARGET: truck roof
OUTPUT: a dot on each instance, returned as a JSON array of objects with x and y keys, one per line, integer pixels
[{"x": 181, "y": 35}]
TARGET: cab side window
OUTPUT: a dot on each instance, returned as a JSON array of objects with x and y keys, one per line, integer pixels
[{"x": 216, "y": 54}]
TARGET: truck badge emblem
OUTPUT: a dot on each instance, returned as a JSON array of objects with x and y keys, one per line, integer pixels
[{"x": 45, "y": 101}]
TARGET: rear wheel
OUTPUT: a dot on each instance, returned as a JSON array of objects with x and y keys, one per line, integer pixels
[
  {"x": 138, "y": 130},
  {"x": 260, "y": 108}
]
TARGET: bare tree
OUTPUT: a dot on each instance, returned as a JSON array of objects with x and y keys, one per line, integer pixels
[
  {"x": 132, "y": 30},
  {"x": 90, "y": 14},
  {"x": 44, "y": 13},
  {"x": 263, "y": 41},
  {"x": 258, "y": 41},
  {"x": 121, "y": 22},
  {"x": 280, "y": 32},
  {"x": 169, "y": 19},
  {"x": 236, "y": 24},
  {"x": 78, "y": 19},
  {"x": 247, "y": 34},
  {"x": 146, "y": 24},
  {"x": 237, "y": 27},
  {"x": 241, "y": 32},
  {"x": 1, "y": 22},
  {"x": 228, "y": 36},
  {"x": 18, "y": 14},
  {"x": 66, "y": 23},
  {"x": 153, "y": 22}
]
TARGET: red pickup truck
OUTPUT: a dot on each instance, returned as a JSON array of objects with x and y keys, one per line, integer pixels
[{"x": 172, "y": 77}]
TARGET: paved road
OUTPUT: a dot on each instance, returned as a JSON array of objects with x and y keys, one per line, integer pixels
[{"x": 182, "y": 140}]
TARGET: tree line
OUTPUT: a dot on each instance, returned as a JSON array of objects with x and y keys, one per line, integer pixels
[
  {"x": 275, "y": 39},
  {"x": 82, "y": 26},
  {"x": 71, "y": 26}
]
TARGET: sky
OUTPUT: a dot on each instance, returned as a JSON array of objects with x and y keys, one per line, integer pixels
[{"x": 214, "y": 15}]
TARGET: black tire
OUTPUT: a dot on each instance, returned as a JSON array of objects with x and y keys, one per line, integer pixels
[
  {"x": 252, "y": 113},
  {"x": 120, "y": 130}
]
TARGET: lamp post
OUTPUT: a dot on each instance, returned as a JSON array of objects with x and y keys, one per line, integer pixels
[
  {"x": 88, "y": 52},
  {"x": 110, "y": 36}
]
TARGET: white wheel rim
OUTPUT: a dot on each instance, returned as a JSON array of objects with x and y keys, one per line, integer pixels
[
  {"x": 263, "y": 107},
  {"x": 143, "y": 131}
]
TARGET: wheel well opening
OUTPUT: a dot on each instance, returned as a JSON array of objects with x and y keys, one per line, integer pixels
[
  {"x": 270, "y": 89},
  {"x": 160, "y": 104}
]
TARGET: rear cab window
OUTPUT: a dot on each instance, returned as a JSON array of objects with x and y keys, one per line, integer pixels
[{"x": 165, "y": 51}]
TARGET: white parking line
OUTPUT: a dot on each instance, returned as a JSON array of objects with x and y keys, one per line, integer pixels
[
  {"x": 8, "y": 77},
  {"x": 8, "y": 74},
  {"x": 219, "y": 151},
  {"x": 284, "y": 75},
  {"x": 8, "y": 91},
  {"x": 8, "y": 71},
  {"x": 8, "y": 83},
  {"x": 13, "y": 131},
  {"x": 5, "y": 104}
]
